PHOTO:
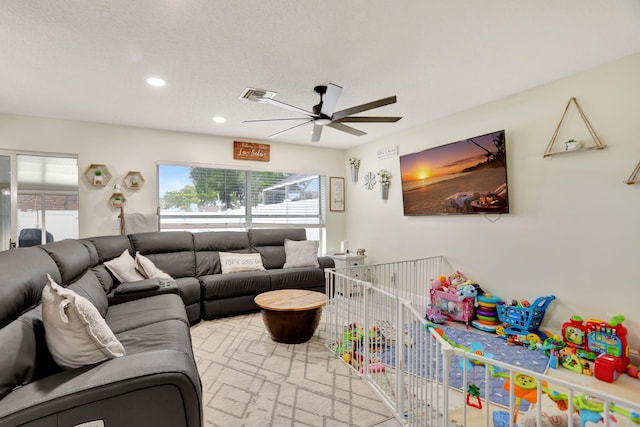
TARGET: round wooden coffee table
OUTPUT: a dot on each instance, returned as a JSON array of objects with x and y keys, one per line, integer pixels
[{"x": 291, "y": 315}]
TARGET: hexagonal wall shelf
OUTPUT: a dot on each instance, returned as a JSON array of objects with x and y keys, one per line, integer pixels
[
  {"x": 98, "y": 174},
  {"x": 134, "y": 180}
]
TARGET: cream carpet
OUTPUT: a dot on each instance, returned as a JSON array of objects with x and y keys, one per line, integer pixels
[{"x": 250, "y": 380}]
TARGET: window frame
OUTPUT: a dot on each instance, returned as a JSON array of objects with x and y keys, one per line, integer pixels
[{"x": 318, "y": 221}]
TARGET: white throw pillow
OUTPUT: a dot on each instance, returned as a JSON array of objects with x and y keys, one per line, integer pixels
[
  {"x": 301, "y": 253},
  {"x": 124, "y": 268},
  {"x": 75, "y": 332},
  {"x": 234, "y": 263},
  {"x": 148, "y": 269}
]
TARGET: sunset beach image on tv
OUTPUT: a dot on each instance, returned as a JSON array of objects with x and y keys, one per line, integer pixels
[{"x": 463, "y": 177}]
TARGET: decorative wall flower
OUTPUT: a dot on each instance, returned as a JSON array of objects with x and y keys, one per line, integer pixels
[
  {"x": 354, "y": 162},
  {"x": 385, "y": 176}
]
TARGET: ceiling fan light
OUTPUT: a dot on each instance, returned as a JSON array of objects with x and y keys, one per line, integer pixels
[{"x": 322, "y": 121}]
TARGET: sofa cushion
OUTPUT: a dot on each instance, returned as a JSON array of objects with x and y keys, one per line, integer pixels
[
  {"x": 71, "y": 257},
  {"x": 109, "y": 247},
  {"x": 131, "y": 291},
  {"x": 208, "y": 244},
  {"x": 303, "y": 253},
  {"x": 189, "y": 288},
  {"x": 75, "y": 332},
  {"x": 28, "y": 358},
  {"x": 124, "y": 268},
  {"x": 23, "y": 274},
  {"x": 270, "y": 244},
  {"x": 107, "y": 280},
  {"x": 88, "y": 286},
  {"x": 296, "y": 278},
  {"x": 148, "y": 269},
  {"x": 169, "y": 334},
  {"x": 230, "y": 285},
  {"x": 145, "y": 311},
  {"x": 171, "y": 251},
  {"x": 235, "y": 263}
]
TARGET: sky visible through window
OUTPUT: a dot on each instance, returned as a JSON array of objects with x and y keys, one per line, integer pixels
[{"x": 173, "y": 178}]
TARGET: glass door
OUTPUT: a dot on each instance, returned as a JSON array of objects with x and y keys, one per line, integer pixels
[
  {"x": 38, "y": 199},
  {"x": 47, "y": 199},
  {"x": 6, "y": 238}
]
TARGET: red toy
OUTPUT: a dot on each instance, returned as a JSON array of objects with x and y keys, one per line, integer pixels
[
  {"x": 608, "y": 368},
  {"x": 605, "y": 340}
]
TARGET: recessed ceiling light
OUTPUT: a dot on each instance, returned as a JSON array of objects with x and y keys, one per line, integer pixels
[
  {"x": 156, "y": 81},
  {"x": 219, "y": 119}
]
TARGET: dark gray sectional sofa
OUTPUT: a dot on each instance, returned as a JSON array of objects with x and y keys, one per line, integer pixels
[{"x": 156, "y": 383}]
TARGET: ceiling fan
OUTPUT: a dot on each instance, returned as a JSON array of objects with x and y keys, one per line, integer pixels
[{"x": 323, "y": 113}]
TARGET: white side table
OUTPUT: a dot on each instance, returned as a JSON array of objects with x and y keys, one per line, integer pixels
[{"x": 347, "y": 261}]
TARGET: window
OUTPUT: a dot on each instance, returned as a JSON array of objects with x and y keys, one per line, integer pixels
[
  {"x": 200, "y": 198},
  {"x": 47, "y": 199}
]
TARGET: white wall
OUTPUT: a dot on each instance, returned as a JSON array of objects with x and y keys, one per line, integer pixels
[
  {"x": 574, "y": 227},
  {"x": 125, "y": 149}
]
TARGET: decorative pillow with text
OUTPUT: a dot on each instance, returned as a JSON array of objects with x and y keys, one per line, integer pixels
[{"x": 234, "y": 263}]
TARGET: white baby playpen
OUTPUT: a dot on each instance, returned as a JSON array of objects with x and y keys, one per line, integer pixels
[{"x": 375, "y": 321}]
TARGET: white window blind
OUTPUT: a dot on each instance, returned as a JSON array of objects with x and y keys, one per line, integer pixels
[{"x": 201, "y": 198}]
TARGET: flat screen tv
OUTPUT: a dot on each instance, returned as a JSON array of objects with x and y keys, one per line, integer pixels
[{"x": 463, "y": 177}]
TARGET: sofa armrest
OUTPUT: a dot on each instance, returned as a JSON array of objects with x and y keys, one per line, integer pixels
[
  {"x": 326, "y": 262},
  {"x": 130, "y": 291},
  {"x": 116, "y": 391}
]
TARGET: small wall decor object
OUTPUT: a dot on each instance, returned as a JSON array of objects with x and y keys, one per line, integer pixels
[
  {"x": 98, "y": 174},
  {"x": 354, "y": 164},
  {"x": 336, "y": 196},
  {"x": 369, "y": 180},
  {"x": 133, "y": 180},
  {"x": 633, "y": 178},
  {"x": 385, "y": 153},
  {"x": 385, "y": 182},
  {"x": 117, "y": 199},
  {"x": 575, "y": 145},
  {"x": 572, "y": 144},
  {"x": 251, "y": 151}
]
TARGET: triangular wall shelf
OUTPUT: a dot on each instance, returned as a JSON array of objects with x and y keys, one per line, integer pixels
[
  {"x": 633, "y": 178},
  {"x": 598, "y": 145}
]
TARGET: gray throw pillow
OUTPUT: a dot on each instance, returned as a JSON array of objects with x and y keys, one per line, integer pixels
[
  {"x": 75, "y": 332},
  {"x": 301, "y": 253}
]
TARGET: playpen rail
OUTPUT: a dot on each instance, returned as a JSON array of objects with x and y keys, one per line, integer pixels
[{"x": 409, "y": 369}]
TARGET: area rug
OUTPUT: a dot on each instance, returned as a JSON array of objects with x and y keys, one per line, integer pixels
[
  {"x": 533, "y": 360},
  {"x": 523, "y": 357},
  {"x": 250, "y": 380}
]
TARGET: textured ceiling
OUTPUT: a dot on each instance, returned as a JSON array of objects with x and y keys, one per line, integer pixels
[{"x": 88, "y": 60}]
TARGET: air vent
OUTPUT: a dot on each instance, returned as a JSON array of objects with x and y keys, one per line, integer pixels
[{"x": 254, "y": 95}]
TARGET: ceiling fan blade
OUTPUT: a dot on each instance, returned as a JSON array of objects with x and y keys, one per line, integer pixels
[
  {"x": 275, "y": 135},
  {"x": 364, "y": 107},
  {"x": 345, "y": 128},
  {"x": 367, "y": 119},
  {"x": 287, "y": 106},
  {"x": 317, "y": 131},
  {"x": 274, "y": 120},
  {"x": 330, "y": 99}
]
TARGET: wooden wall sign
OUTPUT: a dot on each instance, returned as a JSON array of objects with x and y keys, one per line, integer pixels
[{"x": 251, "y": 151}]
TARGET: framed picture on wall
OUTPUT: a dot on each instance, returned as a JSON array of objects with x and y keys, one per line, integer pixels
[{"x": 336, "y": 194}]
